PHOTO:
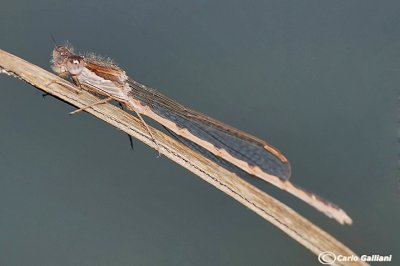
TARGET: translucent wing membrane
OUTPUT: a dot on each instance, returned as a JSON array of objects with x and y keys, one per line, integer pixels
[{"x": 240, "y": 145}]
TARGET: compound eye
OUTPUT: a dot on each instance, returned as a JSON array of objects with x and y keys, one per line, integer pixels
[{"x": 75, "y": 65}]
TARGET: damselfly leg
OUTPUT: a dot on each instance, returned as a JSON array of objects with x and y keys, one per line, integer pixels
[{"x": 91, "y": 105}]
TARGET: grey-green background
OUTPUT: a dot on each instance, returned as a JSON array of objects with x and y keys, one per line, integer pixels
[{"x": 318, "y": 79}]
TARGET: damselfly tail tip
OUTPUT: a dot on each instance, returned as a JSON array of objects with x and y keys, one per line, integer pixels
[{"x": 328, "y": 208}]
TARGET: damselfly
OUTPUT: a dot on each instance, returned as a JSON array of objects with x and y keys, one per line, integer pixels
[{"x": 253, "y": 155}]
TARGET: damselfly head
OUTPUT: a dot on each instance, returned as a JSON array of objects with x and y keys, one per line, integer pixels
[
  {"x": 75, "y": 64},
  {"x": 59, "y": 57},
  {"x": 64, "y": 61}
]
